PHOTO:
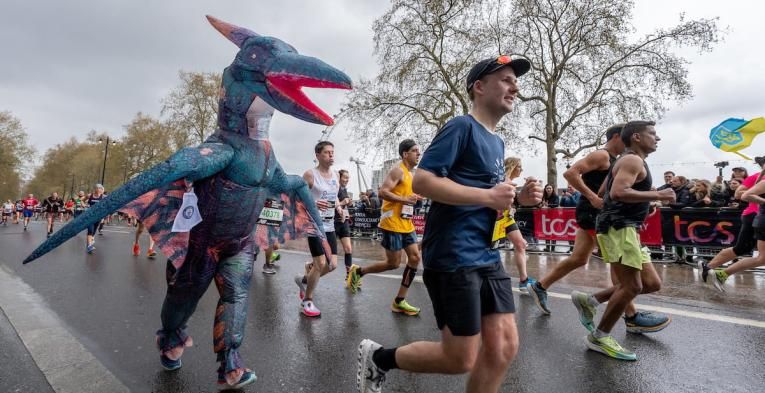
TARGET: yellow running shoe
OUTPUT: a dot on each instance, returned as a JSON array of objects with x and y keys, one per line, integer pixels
[{"x": 404, "y": 307}]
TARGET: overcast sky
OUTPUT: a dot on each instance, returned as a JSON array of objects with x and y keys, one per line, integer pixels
[{"x": 72, "y": 66}]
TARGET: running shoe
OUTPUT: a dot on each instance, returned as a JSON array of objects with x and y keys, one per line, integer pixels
[
  {"x": 268, "y": 268},
  {"x": 247, "y": 378},
  {"x": 646, "y": 322},
  {"x": 25, "y": 227},
  {"x": 703, "y": 270},
  {"x": 136, "y": 249},
  {"x": 369, "y": 377},
  {"x": 523, "y": 285},
  {"x": 540, "y": 297},
  {"x": 90, "y": 248},
  {"x": 718, "y": 279},
  {"x": 151, "y": 253},
  {"x": 275, "y": 256},
  {"x": 309, "y": 309},
  {"x": 299, "y": 282},
  {"x": 353, "y": 281},
  {"x": 609, "y": 347},
  {"x": 586, "y": 310},
  {"x": 404, "y": 307},
  {"x": 169, "y": 364}
]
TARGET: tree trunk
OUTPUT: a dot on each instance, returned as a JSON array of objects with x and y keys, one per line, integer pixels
[{"x": 552, "y": 168}]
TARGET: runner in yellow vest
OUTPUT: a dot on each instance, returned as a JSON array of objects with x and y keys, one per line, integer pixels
[{"x": 398, "y": 235}]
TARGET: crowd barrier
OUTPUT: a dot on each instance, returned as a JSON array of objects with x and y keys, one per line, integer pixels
[{"x": 670, "y": 233}]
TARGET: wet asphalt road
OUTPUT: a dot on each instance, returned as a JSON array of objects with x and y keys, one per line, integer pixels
[{"x": 111, "y": 302}]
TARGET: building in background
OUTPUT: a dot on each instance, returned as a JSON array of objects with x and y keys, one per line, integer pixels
[{"x": 378, "y": 175}]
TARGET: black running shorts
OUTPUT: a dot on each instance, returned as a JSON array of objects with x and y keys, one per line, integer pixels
[
  {"x": 342, "y": 229},
  {"x": 585, "y": 217},
  {"x": 460, "y": 298},
  {"x": 314, "y": 244}
]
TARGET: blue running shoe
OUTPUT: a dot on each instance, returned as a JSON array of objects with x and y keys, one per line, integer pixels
[
  {"x": 646, "y": 322},
  {"x": 523, "y": 285},
  {"x": 90, "y": 248},
  {"x": 169, "y": 364},
  {"x": 540, "y": 297}
]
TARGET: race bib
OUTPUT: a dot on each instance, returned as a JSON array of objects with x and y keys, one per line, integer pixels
[
  {"x": 500, "y": 225},
  {"x": 272, "y": 213},
  {"x": 407, "y": 211},
  {"x": 329, "y": 213},
  {"x": 188, "y": 215}
]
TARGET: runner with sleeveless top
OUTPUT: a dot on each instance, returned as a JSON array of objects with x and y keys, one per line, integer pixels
[
  {"x": 755, "y": 196},
  {"x": 324, "y": 185},
  {"x": 626, "y": 204},
  {"x": 398, "y": 234},
  {"x": 746, "y": 239},
  {"x": 342, "y": 227}
]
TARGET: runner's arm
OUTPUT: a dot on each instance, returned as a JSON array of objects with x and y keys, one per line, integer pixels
[
  {"x": 391, "y": 180},
  {"x": 308, "y": 177},
  {"x": 625, "y": 175},
  {"x": 596, "y": 160},
  {"x": 445, "y": 190},
  {"x": 753, "y": 194}
]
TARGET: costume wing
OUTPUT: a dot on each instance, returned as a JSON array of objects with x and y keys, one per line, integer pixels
[{"x": 190, "y": 163}]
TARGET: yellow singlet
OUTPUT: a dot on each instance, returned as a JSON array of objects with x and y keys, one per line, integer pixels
[{"x": 391, "y": 218}]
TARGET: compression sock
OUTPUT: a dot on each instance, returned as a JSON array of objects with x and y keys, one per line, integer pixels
[
  {"x": 385, "y": 358},
  {"x": 408, "y": 276}
]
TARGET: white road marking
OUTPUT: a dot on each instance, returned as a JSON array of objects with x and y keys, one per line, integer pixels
[{"x": 666, "y": 310}]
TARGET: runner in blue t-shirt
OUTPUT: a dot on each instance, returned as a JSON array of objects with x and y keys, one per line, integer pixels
[{"x": 463, "y": 173}]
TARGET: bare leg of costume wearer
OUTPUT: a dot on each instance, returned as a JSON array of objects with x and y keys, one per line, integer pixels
[{"x": 187, "y": 285}]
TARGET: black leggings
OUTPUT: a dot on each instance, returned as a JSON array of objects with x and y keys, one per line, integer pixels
[{"x": 745, "y": 241}]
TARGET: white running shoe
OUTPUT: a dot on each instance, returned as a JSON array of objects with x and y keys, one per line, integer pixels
[
  {"x": 299, "y": 282},
  {"x": 369, "y": 377},
  {"x": 309, "y": 309}
]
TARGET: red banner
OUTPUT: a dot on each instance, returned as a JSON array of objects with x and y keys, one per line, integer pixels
[
  {"x": 419, "y": 224},
  {"x": 560, "y": 224}
]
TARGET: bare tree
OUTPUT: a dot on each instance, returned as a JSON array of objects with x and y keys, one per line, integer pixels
[
  {"x": 192, "y": 107},
  {"x": 590, "y": 71},
  {"x": 147, "y": 142},
  {"x": 15, "y": 155}
]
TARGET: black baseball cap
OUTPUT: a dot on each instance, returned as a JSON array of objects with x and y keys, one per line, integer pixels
[{"x": 488, "y": 66}]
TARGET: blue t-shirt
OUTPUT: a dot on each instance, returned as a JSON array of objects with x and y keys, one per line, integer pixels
[{"x": 460, "y": 236}]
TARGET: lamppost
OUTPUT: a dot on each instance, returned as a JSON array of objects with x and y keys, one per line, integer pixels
[{"x": 106, "y": 153}]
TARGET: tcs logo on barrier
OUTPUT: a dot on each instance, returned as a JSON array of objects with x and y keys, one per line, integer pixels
[
  {"x": 555, "y": 224},
  {"x": 700, "y": 231}
]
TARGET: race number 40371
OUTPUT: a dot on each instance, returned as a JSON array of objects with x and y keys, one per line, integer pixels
[{"x": 272, "y": 213}]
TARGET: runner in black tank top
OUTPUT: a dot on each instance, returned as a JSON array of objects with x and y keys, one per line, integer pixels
[
  {"x": 626, "y": 204},
  {"x": 586, "y": 176}
]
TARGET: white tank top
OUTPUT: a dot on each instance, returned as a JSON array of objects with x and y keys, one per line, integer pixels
[{"x": 326, "y": 189}]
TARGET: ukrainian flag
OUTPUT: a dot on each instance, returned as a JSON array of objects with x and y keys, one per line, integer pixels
[{"x": 734, "y": 134}]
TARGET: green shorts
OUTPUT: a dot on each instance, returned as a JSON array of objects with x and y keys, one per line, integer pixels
[{"x": 623, "y": 246}]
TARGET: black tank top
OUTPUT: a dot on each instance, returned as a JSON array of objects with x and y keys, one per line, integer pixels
[
  {"x": 594, "y": 179},
  {"x": 618, "y": 215}
]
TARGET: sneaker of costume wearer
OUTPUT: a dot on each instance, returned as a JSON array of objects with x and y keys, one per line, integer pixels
[
  {"x": 247, "y": 378},
  {"x": 703, "y": 270},
  {"x": 718, "y": 279},
  {"x": 608, "y": 346},
  {"x": 586, "y": 310},
  {"x": 309, "y": 309},
  {"x": 646, "y": 322},
  {"x": 404, "y": 307},
  {"x": 523, "y": 285},
  {"x": 136, "y": 249},
  {"x": 369, "y": 377},
  {"x": 268, "y": 268},
  {"x": 151, "y": 253},
  {"x": 540, "y": 297},
  {"x": 299, "y": 282},
  {"x": 169, "y": 364}
]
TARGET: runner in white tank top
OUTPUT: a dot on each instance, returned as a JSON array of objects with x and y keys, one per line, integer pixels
[{"x": 324, "y": 185}]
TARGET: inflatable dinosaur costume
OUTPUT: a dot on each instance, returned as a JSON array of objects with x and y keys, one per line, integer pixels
[{"x": 233, "y": 175}]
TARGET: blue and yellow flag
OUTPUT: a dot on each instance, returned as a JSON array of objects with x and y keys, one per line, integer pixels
[{"x": 734, "y": 134}]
